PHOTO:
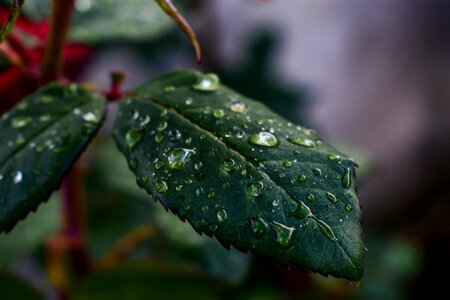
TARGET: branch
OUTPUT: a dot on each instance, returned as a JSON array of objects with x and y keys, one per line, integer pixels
[
  {"x": 14, "y": 12},
  {"x": 61, "y": 14}
]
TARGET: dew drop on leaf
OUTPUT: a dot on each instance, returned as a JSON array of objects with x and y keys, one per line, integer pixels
[
  {"x": 301, "y": 211},
  {"x": 228, "y": 164},
  {"x": 259, "y": 226},
  {"x": 317, "y": 171},
  {"x": 17, "y": 177},
  {"x": 302, "y": 141},
  {"x": 161, "y": 186},
  {"x": 161, "y": 126},
  {"x": 284, "y": 234},
  {"x": 287, "y": 164},
  {"x": 218, "y": 113},
  {"x": 174, "y": 135},
  {"x": 348, "y": 207},
  {"x": 179, "y": 157},
  {"x": 302, "y": 178},
  {"x": 222, "y": 215},
  {"x": 264, "y": 138},
  {"x": 346, "y": 179},
  {"x": 255, "y": 189},
  {"x": 207, "y": 83},
  {"x": 310, "y": 197},
  {"x": 132, "y": 138},
  {"x": 326, "y": 230},
  {"x": 159, "y": 137},
  {"x": 331, "y": 197},
  {"x": 238, "y": 107},
  {"x": 21, "y": 121}
]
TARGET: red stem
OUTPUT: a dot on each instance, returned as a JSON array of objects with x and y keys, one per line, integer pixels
[{"x": 61, "y": 15}]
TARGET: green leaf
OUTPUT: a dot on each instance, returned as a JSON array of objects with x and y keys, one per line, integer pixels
[
  {"x": 147, "y": 281},
  {"x": 13, "y": 288},
  {"x": 236, "y": 170},
  {"x": 40, "y": 139}
]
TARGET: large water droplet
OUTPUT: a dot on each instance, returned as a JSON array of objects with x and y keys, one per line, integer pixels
[
  {"x": 174, "y": 135},
  {"x": 161, "y": 186},
  {"x": 346, "y": 179},
  {"x": 132, "y": 138},
  {"x": 302, "y": 141},
  {"x": 348, "y": 207},
  {"x": 284, "y": 234},
  {"x": 317, "y": 171},
  {"x": 259, "y": 225},
  {"x": 302, "y": 178},
  {"x": 287, "y": 164},
  {"x": 207, "y": 82},
  {"x": 255, "y": 189},
  {"x": 17, "y": 177},
  {"x": 238, "y": 107},
  {"x": 326, "y": 230},
  {"x": 21, "y": 121},
  {"x": 90, "y": 117},
  {"x": 264, "y": 138},
  {"x": 179, "y": 157},
  {"x": 222, "y": 215},
  {"x": 310, "y": 197},
  {"x": 331, "y": 197}
]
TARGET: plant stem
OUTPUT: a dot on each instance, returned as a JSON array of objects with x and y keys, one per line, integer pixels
[
  {"x": 60, "y": 18},
  {"x": 74, "y": 213}
]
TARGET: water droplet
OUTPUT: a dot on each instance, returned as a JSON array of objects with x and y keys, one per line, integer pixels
[
  {"x": 317, "y": 171},
  {"x": 276, "y": 203},
  {"x": 333, "y": 157},
  {"x": 17, "y": 177},
  {"x": 263, "y": 138},
  {"x": 301, "y": 211},
  {"x": 199, "y": 191},
  {"x": 207, "y": 82},
  {"x": 284, "y": 234},
  {"x": 326, "y": 230},
  {"x": 20, "y": 140},
  {"x": 287, "y": 164},
  {"x": 132, "y": 138},
  {"x": 240, "y": 134},
  {"x": 169, "y": 89},
  {"x": 198, "y": 165},
  {"x": 45, "y": 118},
  {"x": 159, "y": 137},
  {"x": 310, "y": 197},
  {"x": 218, "y": 113},
  {"x": 179, "y": 188},
  {"x": 188, "y": 181},
  {"x": 331, "y": 197},
  {"x": 46, "y": 99},
  {"x": 133, "y": 163},
  {"x": 179, "y": 157},
  {"x": 346, "y": 179},
  {"x": 228, "y": 164},
  {"x": 161, "y": 126},
  {"x": 188, "y": 101},
  {"x": 164, "y": 112},
  {"x": 90, "y": 117},
  {"x": 22, "y": 105},
  {"x": 302, "y": 178},
  {"x": 302, "y": 141},
  {"x": 21, "y": 121},
  {"x": 259, "y": 225},
  {"x": 238, "y": 107},
  {"x": 174, "y": 135},
  {"x": 222, "y": 215},
  {"x": 144, "y": 120},
  {"x": 348, "y": 207},
  {"x": 205, "y": 208},
  {"x": 159, "y": 164},
  {"x": 255, "y": 189},
  {"x": 161, "y": 186}
]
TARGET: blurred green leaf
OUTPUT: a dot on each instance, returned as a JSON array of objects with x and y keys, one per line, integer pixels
[
  {"x": 30, "y": 233},
  {"x": 231, "y": 167},
  {"x": 41, "y": 137},
  {"x": 147, "y": 281},
  {"x": 97, "y": 21},
  {"x": 15, "y": 288}
]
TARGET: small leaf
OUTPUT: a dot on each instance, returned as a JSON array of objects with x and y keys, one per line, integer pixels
[
  {"x": 242, "y": 173},
  {"x": 14, "y": 12},
  {"x": 172, "y": 11},
  {"x": 40, "y": 139}
]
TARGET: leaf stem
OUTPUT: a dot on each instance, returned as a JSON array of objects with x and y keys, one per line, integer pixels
[
  {"x": 14, "y": 12},
  {"x": 60, "y": 18}
]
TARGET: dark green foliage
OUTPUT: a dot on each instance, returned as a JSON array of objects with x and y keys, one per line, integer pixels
[
  {"x": 40, "y": 139},
  {"x": 240, "y": 172}
]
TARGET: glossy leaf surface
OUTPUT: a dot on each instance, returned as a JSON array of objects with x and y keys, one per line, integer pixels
[
  {"x": 242, "y": 173},
  {"x": 40, "y": 139}
]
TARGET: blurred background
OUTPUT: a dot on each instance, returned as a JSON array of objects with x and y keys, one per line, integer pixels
[{"x": 373, "y": 77}]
